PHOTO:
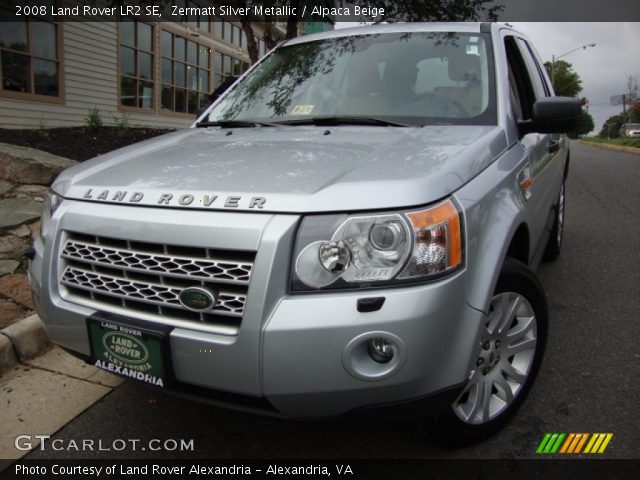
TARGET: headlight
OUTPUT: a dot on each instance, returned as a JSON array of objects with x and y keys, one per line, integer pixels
[
  {"x": 340, "y": 251},
  {"x": 51, "y": 204}
]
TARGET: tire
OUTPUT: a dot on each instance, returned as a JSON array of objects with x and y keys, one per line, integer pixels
[
  {"x": 517, "y": 323},
  {"x": 554, "y": 244}
]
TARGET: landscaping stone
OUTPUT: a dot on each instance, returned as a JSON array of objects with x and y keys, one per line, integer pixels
[
  {"x": 33, "y": 191},
  {"x": 24, "y": 165},
  {"x": 7, "y": 354},
  {"x": 16, "y": 287},
  {"x": 12, "y": 247},
  {"x": 22, "y": 231},
  {"x": 35, "y": 229},
  {"x": 10, "y": 313},
  {"x": 5, "y": 187},
  {"x": 8, "y": 266},
  {"x": 28, "y": 337},
  {"x": 16, "y": 211}
]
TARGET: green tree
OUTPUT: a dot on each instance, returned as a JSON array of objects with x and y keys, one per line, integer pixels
[
  {"x": 436, "y": 10},
  {"x": 395, "y": 11},
  {"x": 634, "y": 112},
  {"x": 566, "y": 82},
  {"x": 585, "y": 126},
  {"x": 611, "y": 128}
]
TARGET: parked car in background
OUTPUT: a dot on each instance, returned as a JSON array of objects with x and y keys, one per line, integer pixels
[{"x": 631, "y": 130}]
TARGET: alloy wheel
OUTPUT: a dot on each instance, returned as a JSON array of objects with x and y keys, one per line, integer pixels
[{"x": 504, "y": 360}]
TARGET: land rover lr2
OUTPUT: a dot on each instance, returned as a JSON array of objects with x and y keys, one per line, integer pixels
[{"x": 352, "y": 226}]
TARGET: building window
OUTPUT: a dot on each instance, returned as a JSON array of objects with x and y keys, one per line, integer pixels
[
  {"x": 229, "y": 32},
  {"x": 185, "y": 74},
  {"x": 226, "y": 66},
  {"x": 201, "y": 22},
  {"x": 29, "y": 57},
  {"x": 136, "y": 64}
]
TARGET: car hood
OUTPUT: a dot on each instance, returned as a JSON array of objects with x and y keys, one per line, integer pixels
[{"x": 289, "y": 168}]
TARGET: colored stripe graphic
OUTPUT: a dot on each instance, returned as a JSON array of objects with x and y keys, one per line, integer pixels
[
  {"x": 543, "y": 443},
  {"x": 598, "y": 442},
  {"x": 574, "y": 443},
  {"x": 568, "y": 442}
]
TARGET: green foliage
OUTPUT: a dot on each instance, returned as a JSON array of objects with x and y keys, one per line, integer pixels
[
  {"x": 566, "y": 82},
  {"x": 611, "y": 128},
  {"x": 623, "y": 142},
  {"x": 93, "y": 120},
  {"x": 122, "y": 125},
  {"x": 42, "y": 129},
  {"x": 394, "y": 11},
  {"x": 634, "y": 112},
  {"x": 585, "y": 126},
  {"x": 436, "y": 10}
]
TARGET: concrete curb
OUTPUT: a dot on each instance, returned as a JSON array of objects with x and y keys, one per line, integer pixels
[
  {"x": 617, "y": 148},
  {"x": 21, "y": 341}
]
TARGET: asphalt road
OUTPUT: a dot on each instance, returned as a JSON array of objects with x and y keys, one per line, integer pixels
[{"x": 589, "y": 381}]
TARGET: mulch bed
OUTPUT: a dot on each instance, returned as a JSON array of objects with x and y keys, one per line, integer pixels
[{"x": 76, "y": 142}]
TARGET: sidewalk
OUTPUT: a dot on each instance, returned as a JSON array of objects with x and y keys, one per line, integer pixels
[{"x": 41, "y": 395}]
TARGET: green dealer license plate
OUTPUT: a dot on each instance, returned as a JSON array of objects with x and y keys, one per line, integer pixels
[{"x": 128, "y": 350}]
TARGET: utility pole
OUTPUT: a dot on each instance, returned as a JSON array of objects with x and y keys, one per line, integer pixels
[{"x": 554, "y": 58}]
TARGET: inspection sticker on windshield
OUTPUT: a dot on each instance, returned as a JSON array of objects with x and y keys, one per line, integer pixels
[{"x": 302, "y": 110}]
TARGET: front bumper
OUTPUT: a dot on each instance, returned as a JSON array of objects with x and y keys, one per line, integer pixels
[{"x": 304, "y": 355}]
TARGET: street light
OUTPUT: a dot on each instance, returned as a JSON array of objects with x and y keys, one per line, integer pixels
[{"x": 554, "y": 58}]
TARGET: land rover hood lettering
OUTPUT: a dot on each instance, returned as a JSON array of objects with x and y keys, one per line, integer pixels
[{"x": 231, "y": 201}]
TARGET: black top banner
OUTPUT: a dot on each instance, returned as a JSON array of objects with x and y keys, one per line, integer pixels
[{"x": 365, "y": 11}]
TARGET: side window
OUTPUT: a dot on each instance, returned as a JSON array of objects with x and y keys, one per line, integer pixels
[
  {"x": 539, "y": 85},
  {"x": 516, "y": 102},
  {"x": 522, "y": 91}
]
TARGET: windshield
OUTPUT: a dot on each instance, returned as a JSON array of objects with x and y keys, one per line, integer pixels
[
  {"x": 632, "y": 126},
  {"x": 412, "y": 78}
]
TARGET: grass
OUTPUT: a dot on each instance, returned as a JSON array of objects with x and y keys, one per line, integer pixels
[{"x": 623, "y": 142}]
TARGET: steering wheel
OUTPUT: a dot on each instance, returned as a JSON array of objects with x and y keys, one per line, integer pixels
[{"x": 442, "y": 103}]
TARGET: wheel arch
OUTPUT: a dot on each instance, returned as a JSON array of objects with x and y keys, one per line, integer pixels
[
  {"x": 519, "y": 247},
  {"x": 502, "y": 231}
]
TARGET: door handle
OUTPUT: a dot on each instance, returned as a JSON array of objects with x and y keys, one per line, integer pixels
[{"x": 553, "y": 146}]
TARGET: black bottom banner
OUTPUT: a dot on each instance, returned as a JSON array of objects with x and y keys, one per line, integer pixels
[{"x": 311, "y": 468}]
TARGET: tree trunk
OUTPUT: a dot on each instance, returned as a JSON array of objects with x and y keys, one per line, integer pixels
[
  {"x": 292, "y": 21},
  {"x": 252, "y": 43}
]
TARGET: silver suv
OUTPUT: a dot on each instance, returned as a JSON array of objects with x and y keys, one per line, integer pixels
[{"x": 352, "y": 226}]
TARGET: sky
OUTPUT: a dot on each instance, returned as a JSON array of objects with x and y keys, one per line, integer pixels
[{"x": 604, "y": 69}]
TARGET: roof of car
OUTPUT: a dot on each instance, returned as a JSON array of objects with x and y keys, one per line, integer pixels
[{"x": 467, "y": 27}]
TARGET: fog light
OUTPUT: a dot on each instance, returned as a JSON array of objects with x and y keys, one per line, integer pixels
[{"x": 380, "y": 349}]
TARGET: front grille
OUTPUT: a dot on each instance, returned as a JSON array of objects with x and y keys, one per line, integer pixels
[{"x": 147, "y": 278}]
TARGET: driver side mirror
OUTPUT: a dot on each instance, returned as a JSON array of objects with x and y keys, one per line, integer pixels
[{"x": 553, "y": 115}]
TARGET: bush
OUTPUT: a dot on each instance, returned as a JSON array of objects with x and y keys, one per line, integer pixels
[
  {"x": 93, "y": 120},
  {"x": 122, "y": 125}
]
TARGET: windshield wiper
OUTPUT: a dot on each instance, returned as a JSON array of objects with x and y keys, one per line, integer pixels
[
  {"x": 345, "y": 120},
  {"x": 235, "y": 124}
]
